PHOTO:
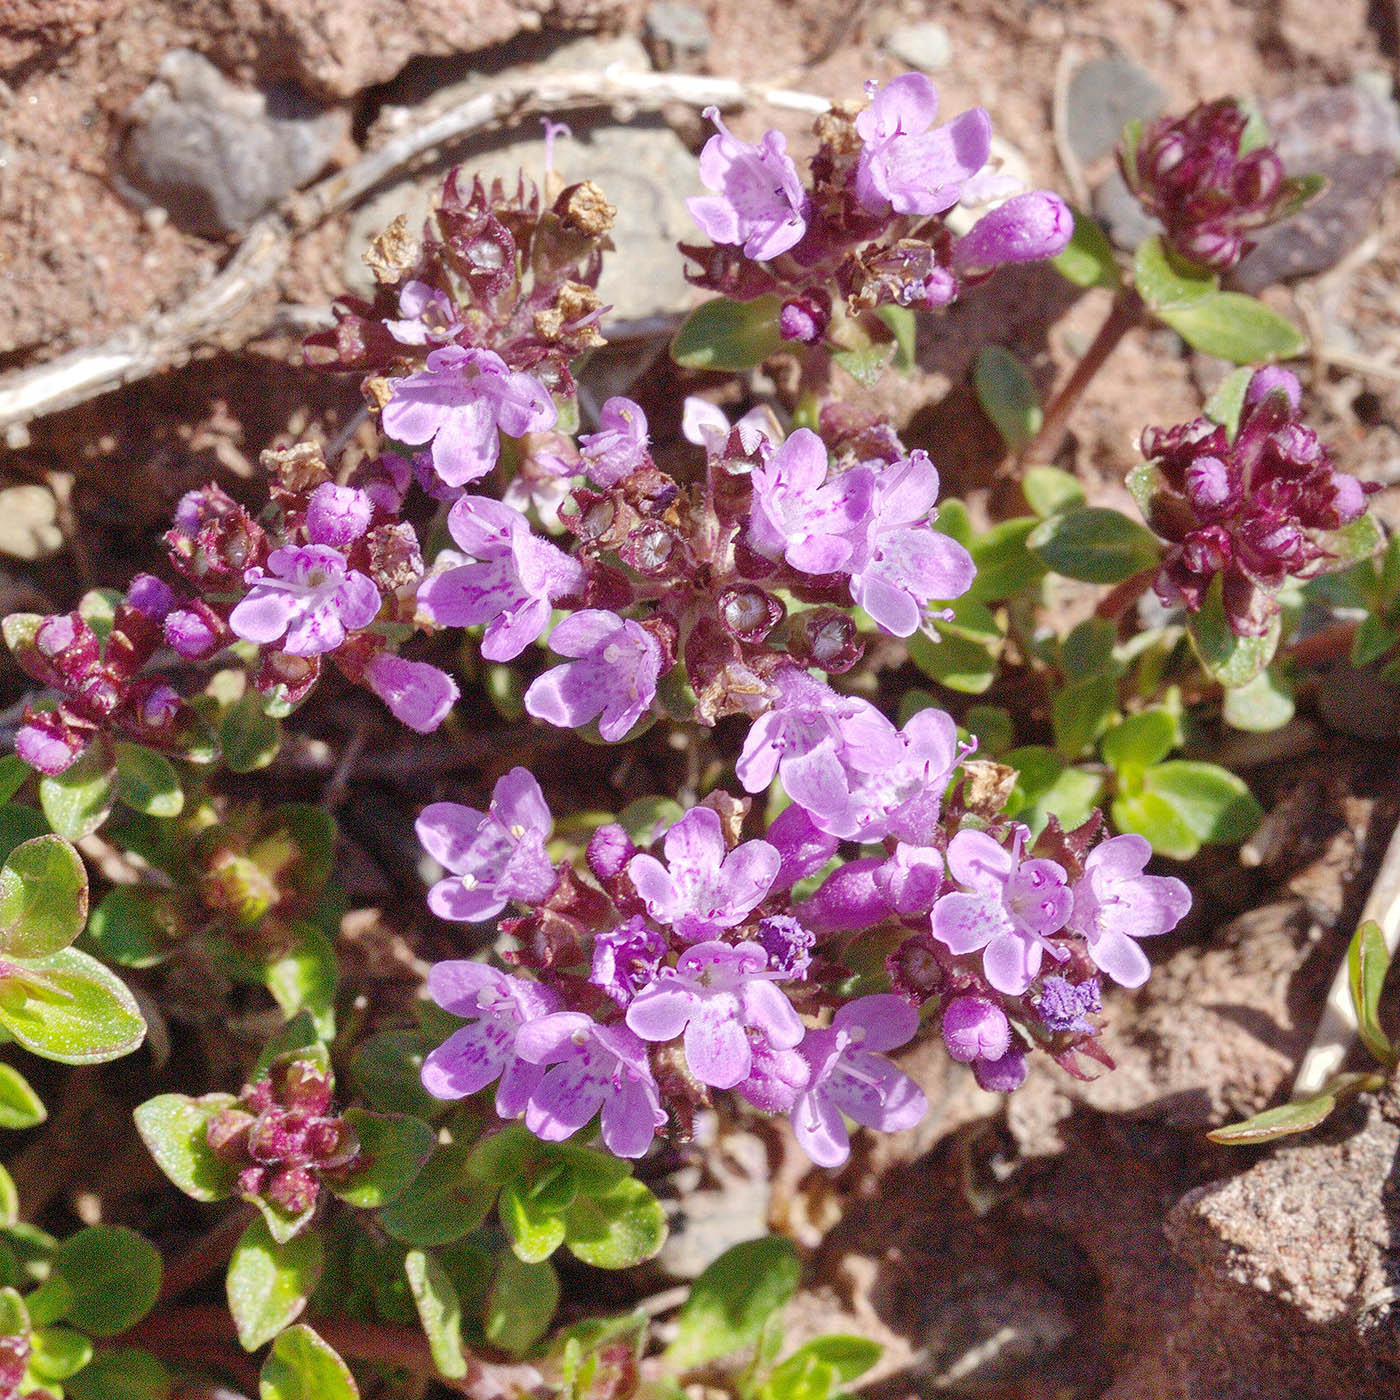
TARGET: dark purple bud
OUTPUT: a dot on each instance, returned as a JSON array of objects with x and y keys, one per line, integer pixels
[
  {"x": 337, "y": 515},
  {"x": 1208, "y": 485},
  {"x": 748, "y": 613},
  {"x": 160, "y": 706},
  {"x": 1003, "y": 1075},
  {"x": 609, "y": 850},
  {"x": 304, "y": 1087},
  {"x": 805, "y": 318},
  {"x": 150, "y": 596},
  {"x": 974, "y": 1027},
  {"x": 294, "y": 1189}
]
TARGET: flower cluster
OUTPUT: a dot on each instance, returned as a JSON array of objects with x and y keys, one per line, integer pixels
[
  {"x": 1254, "y": 511},
  {"x": 874, "y": 222},
  {"x": 1209, "y": 183}
]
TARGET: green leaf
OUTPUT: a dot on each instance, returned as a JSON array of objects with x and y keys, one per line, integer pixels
[
  {"x": 20, "y": 1106},
  {"x": 59, "y": 1352},
  {"x": 14, "y": 773},
  {"x": 1374, "y": 639},
  {"x": 1183, "y": 805},
  {"x": 112, "y": 1275},
  {"x": 249, "y": 737},
  {"x": 1285, "y": 1121},
  {"x": 645, "y": 819},
  {"x": 1362, "y": 539},
  {"x": 1368, "y": 961},
  {"x": 1087, "y": 259},
  {"x": 87, "y": 1016},
  {"x": 1095, "y": 545},
  {"x": 953, "y": 661},
  {"x": 9, "y": 1199},
  {"x": 535, "y": 1231},
  {"x": 905, "y": 329},
  {"x": 729, "y": 335},
  {"x": 19, "y": 824},
  {"x": 1004, "y": 564},
  {"x": 1007, "y": 396},
  {"x": 1070, "y": 799},
  {"x": 269, "y": 1283},
  {"x": 1088, "y": 650},
  {"x": 1150, "y": 815},
  {"x": 850, "y": 1357},
  {"x": 298, "y": 1039},
  {"x": 953, "y": 520},
  {"x": 43, "y": 898},
  {"x": 121, "y": 1373},
  {"x": 175, "y": 1129},
  {"x": 439, "y": 1311},
  {"x": 731, "y": 1300},
  {"x": 522, "y": 1303},
  {"x": 393, "y": 1149},
  {"x": 971, "y": 620},
  {"x": 1237, "y": 328},
  {"x": 304, "y": 978},
  {"x": 617, "y": 1229},
  {"x": 443, "y": 1203},
  {"x": 147, "y": 782},
  {"x": 1141, "y": 740},
  {"x": 1050, "y": 491},
  {"x": 130, "y": 926},
  {"x": 1262, "y": 704},
  {"x": 1231, "y": 660},
  {"x": 1227, "y": 403},
  {"x": 814, "y": 1370},
  {"x": 387, "y": 1071},
  {"x": 77, "y": 801},
  {"x": 1165, "y": 283},
  {"x": 14, "y": 1316},
  {"x": 1081, "y": 711},
  {"x": 301, "y": 1366},
  {"x": 992, "y": 727}
]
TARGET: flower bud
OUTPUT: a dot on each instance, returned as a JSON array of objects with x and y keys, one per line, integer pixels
[
  {"x": 1003, "y": 1075},
  {"x": 150, "y": 596},
  {"x": 1026, "y": 228},
  {"x": 337, "y": 515},
  {"x": 609, "y": 850},
  {"x": 417, "y": 694},
  {"x": 46, "y": 744},
  {"x": 189, "y": 635},
  {"x": 973, "y": 1027},
  {"x": 805, "y": 318}
]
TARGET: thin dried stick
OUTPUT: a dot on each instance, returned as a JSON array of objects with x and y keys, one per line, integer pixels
[{"x": 158, "y": 341}]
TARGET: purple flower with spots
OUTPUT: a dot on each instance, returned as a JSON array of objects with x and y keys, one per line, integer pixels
[
  {"x": 590, "y": 1067},
  {"x": 428, "y": 317},
  {"x": 788, "y": 945},
  {"x": 716, "y": 994},
  {"x": 909, "y": 164},
  {"x": 905, "y": 564},
  {"x": 626, "y": 959},
  {"x": 1115, "y": 903},
  {"x": 619, "y": 447},
  {"x": 613, "y": 679},
  {"x": 1010, "y": 907},
  {"x": 849, "y": 1077},
  {"x": 800, "y": 516},
  {"x": 703, "y": 887},
  {"x": 308, "y": 598},
  {"x": 417, "y": 694},
  {"x": 511, "y": 584},
  {"x": 462, "y": 402},
  {"x": 758, "y": 202},
  {"x": 494, "y": 856},
  {"x": 483, "y": 1051}
]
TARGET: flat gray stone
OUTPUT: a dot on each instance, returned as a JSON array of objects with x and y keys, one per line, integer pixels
[
  {"x": 926, "y": 46},
  {"x": 676, "y": 30},
  {"x": 1116, "y": 207},
  {"x": 1103, "y": 95}
]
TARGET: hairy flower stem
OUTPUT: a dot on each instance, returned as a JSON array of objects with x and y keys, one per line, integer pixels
[{"x": 1127, "y": 312}]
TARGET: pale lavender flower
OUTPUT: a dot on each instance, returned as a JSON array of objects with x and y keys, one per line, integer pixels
[
  {"x": 907, "y": 163},
  {"x": 910, "y": 879},
  {"x": 776, "y": 1077},
  {"x": 758, "y": 202},
  {"x": 716, "y": 994},
  {"x": 189, "y": 634},
  {"x": 703, "y": 887},
  {"x": 417, "y": 694},
  {"x": 494, "y": 856},
  {"x": 511, "y": 585},
  {"x": 1114, "y": 903},
  {"x": 462, "y": 401},
  {"x": 974, "y": 1027},
  {"x": 482, "y": 1052},
  {"x": 704, "y": 424},
  {"x": 904, "y": 563},
  {"x": 46, "y": 744},
  {"x": 613, "y": 679},
  {"x": 815, "y": 524},
  {"x": 307, "y": 595},
  {"x": 337, "y": 515},
  {"x": 851, "y": 1078},
  {"x": 1011, "y": 908},
  {"x": 427, "y": 316},
  {"x": 592, "y": 1067},
  {"x": 619, "y": 447},
  {"x": 626, "y": 959},
  {"x": 1026, "y": 228}
]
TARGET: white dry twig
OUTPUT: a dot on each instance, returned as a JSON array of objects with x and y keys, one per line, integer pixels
[{"x": 166, "y": 338}]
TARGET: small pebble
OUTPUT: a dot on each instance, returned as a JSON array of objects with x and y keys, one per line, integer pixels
[
  {"x": 1103, "y": 95},
  {"x": 926, "y": 46}
]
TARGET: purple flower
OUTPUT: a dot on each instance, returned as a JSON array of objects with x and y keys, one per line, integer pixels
[
  {"x": 593, "y": 1067},
  {"x": 1012, "y": 908},
  {"x": 619, "y": 447},
  {"x": 974, "y": 1027},
  {"x": 1114, "y": 903},
  {"x": 849, "y": 1076},
  {"x": 46, "y": 744},
  {"x": 1026, "y": 228},
  {"x": 815, "y": 525},
  {"x": 910, "y": 879},
  {"x": 909, "y": 164},
  {"x": 905, "y": 563},
  {"x": 1002, "y": 1075},
  {"x": 1063, "y": 1005},
  {"x": 494, "y": 856},
  {"x": 848, "y": 899},
  {"x": 614, "y": 676},
  {"x": 427, "y": 316},
  {"x": 417, "y": 694},
  {"x": 706, "y": 887},
  {"x": 511, "y": 585},
  {"x": 626, "y": 959},
  {"x": 461, "y": 401},
  {"x": 715, "y": 994},
  {"x": 803, "y": 846},
  {"x": 704, "y": 424},
  {"x": 308, "y": 595},
  {"x": 337, "y": 515},
  {"x": 759, "y": 200},
  {"x": 189, "y": 634},
  {"x": 609, "y": 850},
  {"x": 150, "y": 596},
  {"x": 788, "y": 945},
  {"x": 483, "y": 1051}
]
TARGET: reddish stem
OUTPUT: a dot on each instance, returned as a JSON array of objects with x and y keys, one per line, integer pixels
[
  {"x": 204, "y": 1256},
  {"x": 1329, "y": 645}
]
